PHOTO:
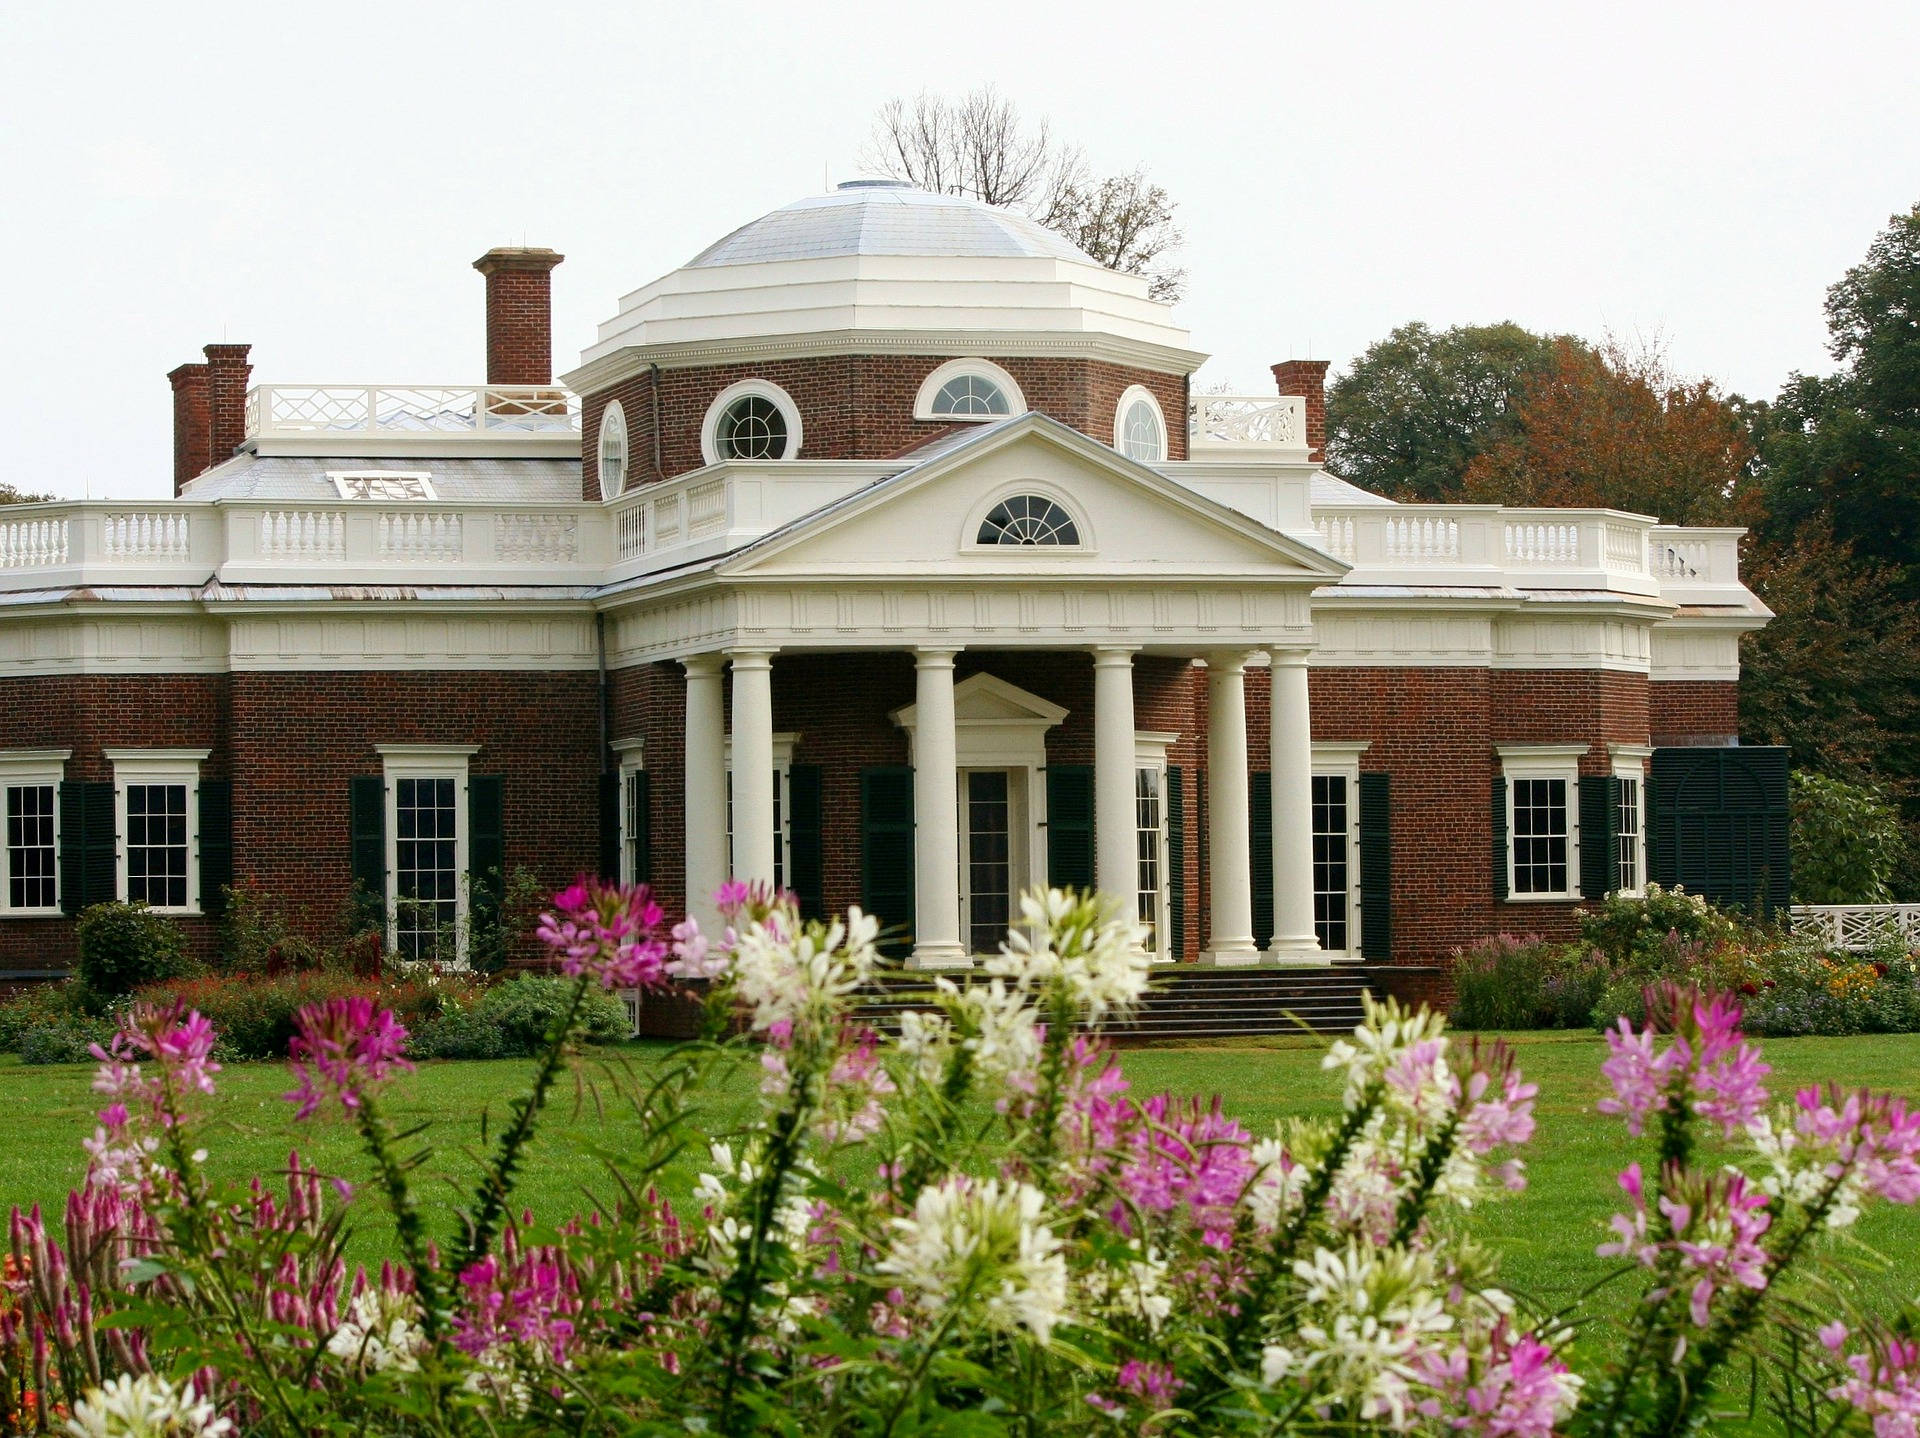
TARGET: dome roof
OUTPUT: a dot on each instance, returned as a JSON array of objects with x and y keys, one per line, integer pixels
[
  {"x": 877, "y": 266},
  {"x": 887, "y": 217}
]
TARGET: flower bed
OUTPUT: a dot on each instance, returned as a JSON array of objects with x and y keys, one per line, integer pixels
[{"x": 1032, "y": 1248}]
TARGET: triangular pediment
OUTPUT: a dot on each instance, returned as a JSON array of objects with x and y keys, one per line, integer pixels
[
  {"x": 984, "y": 699},
  {"x": 1127, "y": 521}
]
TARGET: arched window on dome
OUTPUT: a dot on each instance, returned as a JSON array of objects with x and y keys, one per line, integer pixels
[
  {"x": 613, "y": 450},
  {"x": 753, "y": 419},
  {"x": 968, "y": 389},
  {"x": 1139, "y": 429},
  {"x": 1028, "y": 519}
]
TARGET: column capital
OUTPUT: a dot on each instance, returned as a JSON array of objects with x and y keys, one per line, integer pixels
[
  {"x": 1228, "y": 659},
  {"x": 703, "y": 664},
  {"x": 752, "y": 658},
  {"x": 1117, "y": 655},
  {"x": 934, "y": 656},
  {"x": 1289, "y": 655}
]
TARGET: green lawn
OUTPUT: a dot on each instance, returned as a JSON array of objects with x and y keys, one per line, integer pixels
[{"x": 1546, "y": 1235}]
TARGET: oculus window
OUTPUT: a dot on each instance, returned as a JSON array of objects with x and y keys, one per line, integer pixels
[
  {"x": 1028, "y": 519},
  {"x": 1139, "y": 429},
  {"x": 613, "y": 451},
  {"x": 751, "y": 420}
]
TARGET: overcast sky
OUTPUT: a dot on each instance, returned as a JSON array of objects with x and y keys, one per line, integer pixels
[{"x": 318, "y": 179}]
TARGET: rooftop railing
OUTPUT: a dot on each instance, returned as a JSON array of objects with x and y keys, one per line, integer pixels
[
  {"x": 1245, "y": 425},
  {"x": 1526, "y": 548},
  {"x": 410, "y": 412}
]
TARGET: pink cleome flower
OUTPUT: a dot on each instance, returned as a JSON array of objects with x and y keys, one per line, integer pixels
[
  {"x": 342, "y": 1049},
  {"x": 180, "y": 1046},
  {"x": 1709, "y": 1066},
  {"x": 610, "y": 931}
]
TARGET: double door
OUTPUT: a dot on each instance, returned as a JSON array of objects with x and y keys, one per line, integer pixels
[{"x": 993, "y": 853}]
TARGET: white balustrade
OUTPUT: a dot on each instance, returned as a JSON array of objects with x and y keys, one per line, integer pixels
[
  {"x": 33, "y": 543},
  {"x": 146, "y": 535},
  {"x": 303, "y": 534},
  {"x": 430, "y": 538},
  {"x": 1859, "y": 927},
  {"x": 1417, "y": 539},
  {"x": 537, "y": 538},
  {"x": 1336, "y": 535},
  {"x": 706, "y": 508},
  {"x": 1539, "y": 544},
  {"x": 632, "y": 532}
]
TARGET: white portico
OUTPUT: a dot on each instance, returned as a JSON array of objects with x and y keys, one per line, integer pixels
[{"x": 1135, "y": 566}]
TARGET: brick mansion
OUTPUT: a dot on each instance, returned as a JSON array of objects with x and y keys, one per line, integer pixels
[{"x": 886, "y": 551}]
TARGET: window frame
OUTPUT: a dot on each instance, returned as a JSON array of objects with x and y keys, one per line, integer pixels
[
  {"x": 783, "y": 747},
  {"x": 744, "y": 389},
  {"x": 613, "y": 424},
  {"x": 430, "y": 761},
  {"x": 1129, "y": 397},
  {"x": 631, "y": 755},
  {"x": 39, "y": 769},
  {"x": 977, "y": 516},
  {"x": 1544, "y": 761},
  {"x": 1150, "y": 756},
  {"x": 1630, "y": 763},
  {"x": 1341, "y": 760},
  {"x": 953, "y": 369},
  {"x": 157, "y": 766}
]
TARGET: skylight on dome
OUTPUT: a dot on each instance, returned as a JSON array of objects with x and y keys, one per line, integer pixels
[{"x": 382, "y": 484}]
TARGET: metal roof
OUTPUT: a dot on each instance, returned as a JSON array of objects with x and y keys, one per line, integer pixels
[
  {"x": 500, "y": 481},
  {"x": 886, "y": 217}
]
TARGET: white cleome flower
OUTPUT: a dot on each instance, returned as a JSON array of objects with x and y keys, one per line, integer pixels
[
  {"x": 982, "y": 1245},
  {"x": 380, "y": 1333},
  {"x": 1385, "y": 1033},
  {"x": 1004, "y": 1031},
  {"x": 1082, "y": 942},
  {"x": 1365, "y": 1313},
  {"x": 789, "y": 979},
  {"x": 1133, "y": 1290},
  {"x": 147, "y": 1406},
  {"x": 925, "y": 1042}
]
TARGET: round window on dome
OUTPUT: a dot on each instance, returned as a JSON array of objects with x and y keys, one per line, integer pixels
[
  {"x": 1028, "y": 519},
  {"x": 613, "y": 451},
  {"x": 1140, "y": 431},
  {"x": 970, "y": 396},
  {"x": 752, "y": 427}
]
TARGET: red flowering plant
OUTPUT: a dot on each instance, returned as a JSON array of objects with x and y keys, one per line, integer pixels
[{"x": 975, "y": 1225}]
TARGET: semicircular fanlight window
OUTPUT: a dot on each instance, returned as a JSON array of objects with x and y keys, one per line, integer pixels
[
  {"x": 1028, "y": 519},
  {"x": 970, "y": 396}
]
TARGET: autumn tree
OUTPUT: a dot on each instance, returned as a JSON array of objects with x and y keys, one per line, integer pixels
[
  {"x": 1422, "y": 404},
  {"x": 981, "y": 146}
]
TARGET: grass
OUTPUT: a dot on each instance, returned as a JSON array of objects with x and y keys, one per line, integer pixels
[{"x": 1545, "y": 1236}]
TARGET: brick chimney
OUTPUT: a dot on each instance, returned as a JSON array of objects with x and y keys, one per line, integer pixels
[
  {"x": 1309, "y": 379},
  {"x": 191, "y": 429},
  {"x": 209, "y": 410},
  {"x": 227, "y": 376},
  {"x": 519, "y": 314}
]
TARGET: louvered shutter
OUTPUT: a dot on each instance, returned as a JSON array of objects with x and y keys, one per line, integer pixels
[
  {"x": 1070, "y": 826},
  {"x": 886, "y": 853},
  {"x": 88, "y": 848},
  {"x": 216, "y": 844},
  {"x": 804, "y": 852},
  {"x": 1500, "y": 856},
  {"x": 609, "y": 792},
  {"x": 486, "y": 847},
  {"x": 1260, "y": 847},
  {"x": 1720, "y": 824},
  {"x": 1376, "y": 867},
  {"x": 1176, "y": 863},
  {"x": 1599, "y": 836},
  {"x": 367, "y": 844}
]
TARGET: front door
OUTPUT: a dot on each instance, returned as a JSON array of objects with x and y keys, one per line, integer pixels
[{"x": 986, "y": 857}]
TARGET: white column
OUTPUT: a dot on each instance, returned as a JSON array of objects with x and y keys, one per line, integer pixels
[
  {"x": 753, "y": 765},
  {"x": 706, "y": 789},
  {"x": 936, "y": 816},
  {"x": 1115, "y": 856},
  {"x": 1229, "y": 852},
  {"x": 1290, "y": 765}
]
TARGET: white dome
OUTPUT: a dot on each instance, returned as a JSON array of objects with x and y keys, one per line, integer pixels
[
  {"x": 878, "y": 266},
  {"x": 887, "y": 217}
]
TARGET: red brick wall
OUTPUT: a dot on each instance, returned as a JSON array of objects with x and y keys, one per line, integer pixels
[
  {"x": 519, "y": 315},
  {"x": 859, "y": 406},
  {"x": 1695, "y": 711}
]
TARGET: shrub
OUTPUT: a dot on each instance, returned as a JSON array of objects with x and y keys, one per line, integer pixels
[
  {"x": 1636, "y": 934},
  {"x": 266, "y": 934},
  {"x": 255, "y": 1013},
  {"x": 1576, "y": 977},
  {"x": 1499, "y": 983},
  {"x": 1847, "y": 842},
  {"x": 525, "y": 1010},
  {"x": 459, "y": 1031},
  {"x": 39, "y": 1007},
  {"x": 68, "y": 1040},
  {"x": 125, "y": 946}
]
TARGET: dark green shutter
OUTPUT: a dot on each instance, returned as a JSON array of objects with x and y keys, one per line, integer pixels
[
  {"x": 216, "y": 844},
  {"x": 367, "y": 839},
  {"x": 1176, "y": 864},
  {"x": 88, "y": 851},
  {"x": 886, "y": 853},
  {"x": 486, "y": 847},
  {"x": 1719, "y": 826},
  {"x": 804, "y": 852},
  {"x": 610, "y": 827},
  {"x": 1260, "y": 847},
  {"x": 1376, "y": 868},
  {"x": 1499, "y": 835},
  {"x": 1070, "y": 826},
  {"x": 1599, "y": 836},
  {"x": 640, "y": 816}
]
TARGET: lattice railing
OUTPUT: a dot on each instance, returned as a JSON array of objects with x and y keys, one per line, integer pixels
[
  {"x": 1858, "y": 927},
  {"x": 500, "y": 410},
  {"x": 1231, "y": 420}
]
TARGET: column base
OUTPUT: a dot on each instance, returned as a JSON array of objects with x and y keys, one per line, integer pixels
[
  {"x": 1297, "y": 954},
  {"x": 1234, "y": 956},
  {"x": 939, "y": 956}
]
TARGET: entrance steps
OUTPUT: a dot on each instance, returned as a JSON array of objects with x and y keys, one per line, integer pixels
[{"x": 1187, "y": 1002}]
